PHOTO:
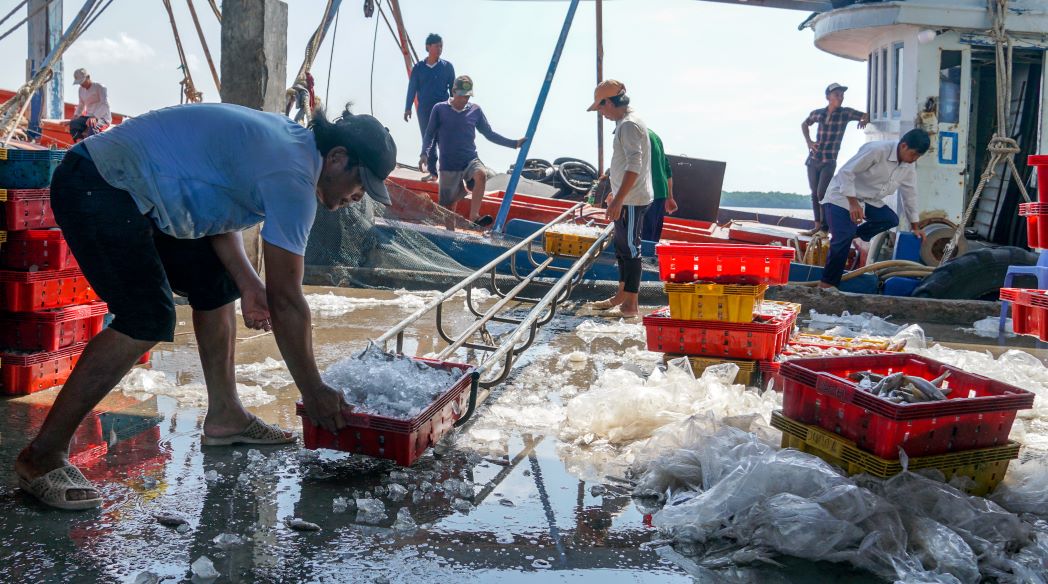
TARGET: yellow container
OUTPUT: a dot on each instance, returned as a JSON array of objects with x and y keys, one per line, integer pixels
[
  {"x": 567, "y": 244},
  {"x": 705, "y": 301},
  {"x": 985, "y": 466},
  {"x": 747, "y": 375}
]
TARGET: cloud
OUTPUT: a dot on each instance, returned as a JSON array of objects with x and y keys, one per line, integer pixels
[{"x": 109, "y": 51}]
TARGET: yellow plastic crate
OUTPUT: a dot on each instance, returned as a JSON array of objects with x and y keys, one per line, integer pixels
[
  {"x": 747, "y": 375},
  {"x": 985, "y": 466},
  {"x": 567, "y": 244},
  {"x": 705, "y": 301}
]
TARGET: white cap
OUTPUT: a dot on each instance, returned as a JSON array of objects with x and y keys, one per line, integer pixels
[{"x": 79, "y": 76}]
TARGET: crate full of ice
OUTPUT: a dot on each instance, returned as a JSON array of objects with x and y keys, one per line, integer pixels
[{"x": 402, "y": 405}]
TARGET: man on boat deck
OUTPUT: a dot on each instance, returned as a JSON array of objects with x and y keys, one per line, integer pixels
[
  {"x": 92, "y": 113},
  {"x": 453, "y": 127},
  {"x": 822, "y": 154},
  {"x": 631, "y": 190},
  {"x": 431, "y": 80},
  {"x": 854, "y": 202},
  {"x": 156, "y": 205},
  {"x": 662, "y": 185}
]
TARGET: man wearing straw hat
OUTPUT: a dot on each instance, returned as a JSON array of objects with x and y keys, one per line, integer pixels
[{"x": 631, "y": 191}]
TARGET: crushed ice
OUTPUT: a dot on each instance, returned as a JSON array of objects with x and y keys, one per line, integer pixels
[
  {"x": 142, "y": 384},
  {"x": 375, "y": 383},
  {"x": 619, "y": 331}
]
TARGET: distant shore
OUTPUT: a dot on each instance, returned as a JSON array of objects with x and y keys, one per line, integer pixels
[{"x": 766, "y": 200}]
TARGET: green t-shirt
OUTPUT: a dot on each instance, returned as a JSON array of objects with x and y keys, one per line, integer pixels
[{"x": 661, "y": 172}]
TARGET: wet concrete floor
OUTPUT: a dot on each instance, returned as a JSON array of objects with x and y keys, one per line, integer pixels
[{"x": 503, "y": 501}]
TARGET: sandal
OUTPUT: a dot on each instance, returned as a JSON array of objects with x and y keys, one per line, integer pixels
[
  {"x": 52, "y": 488},
  {"x": 257, "y": 432}
]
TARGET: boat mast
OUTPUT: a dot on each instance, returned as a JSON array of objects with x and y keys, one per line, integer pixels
[
  {"x": 399, "y": 19},
  {"x": 44, "y": 32}
]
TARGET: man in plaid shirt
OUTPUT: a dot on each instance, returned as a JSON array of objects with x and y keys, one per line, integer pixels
[{"x": 822, "y": 153}]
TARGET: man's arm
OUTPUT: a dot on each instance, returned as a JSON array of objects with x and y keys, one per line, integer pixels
[
  {"x": 292, "y": 328},
  {"x": 485, "y": 130},
  {"x": 412, "y": 91},
  {"x": 632, "y": 139},
  {"x": 229, "y": 247},
  {"x": 806, "y": 130},
  {"x": 862, "y": 117},
  {"x": 908, "y": 194},
  {"x": 104, "y": 112},
  {"x": 861, "y": 162},
  {"x": 451, "y": 77},
  {"x": 671, "y": 203}
]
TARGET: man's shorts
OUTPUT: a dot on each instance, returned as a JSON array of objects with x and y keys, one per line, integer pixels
[
  {"x": 130, "y": 264},
  {"x": 453, "y": 183}
]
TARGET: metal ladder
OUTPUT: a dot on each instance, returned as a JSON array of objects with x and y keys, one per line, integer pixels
[{"x": 510, "y": 345}]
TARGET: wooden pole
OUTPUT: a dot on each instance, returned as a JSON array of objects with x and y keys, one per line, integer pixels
[{"x": 600, "y": 77}]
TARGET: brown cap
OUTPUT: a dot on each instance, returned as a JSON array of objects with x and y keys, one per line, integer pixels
[{"x": 607, "y": 88}]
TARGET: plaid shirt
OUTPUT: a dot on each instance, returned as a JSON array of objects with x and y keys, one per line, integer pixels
[{"x": 831, "y": 132}]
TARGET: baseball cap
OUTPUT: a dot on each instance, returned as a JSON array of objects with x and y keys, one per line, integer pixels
[
  {"x": 834, "y": 87},
  {"x": 463, "y": 86},
  {"x": 79, "y": 75},
  {"x": 375, "y": 150},
  {"x": 607, "y": 88}
]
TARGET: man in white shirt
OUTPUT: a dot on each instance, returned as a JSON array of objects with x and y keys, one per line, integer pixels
[
  {"x": 854, "y": 201},
  {"x": 92, "y": 113},
  {"x": 631, "y": 190}
]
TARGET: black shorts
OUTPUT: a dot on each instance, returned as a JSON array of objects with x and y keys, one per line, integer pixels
[{"x": 130, "y": 264}]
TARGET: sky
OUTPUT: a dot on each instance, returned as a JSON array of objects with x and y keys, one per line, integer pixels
[{"x": 715, "y": 81}]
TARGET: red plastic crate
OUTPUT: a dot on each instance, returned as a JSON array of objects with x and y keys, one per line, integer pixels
[
  {"x": 26, "y": 209},
  {"x": 761, "y": 339},
  {"x": 1040, "y": 163},
  {"x": 22, "y": 374},
  {"x": 36, "y": 250},
  {"x": 1036, "y": 222},
  {"x": 29, "y": 291},
  {"x": 51, "y": 330},
  {"x": 818, "y": 391},
  {"x": 402, "y": 441},
  {"x": 1029, "y": 311},
  {"x": 724, "y": 263}
]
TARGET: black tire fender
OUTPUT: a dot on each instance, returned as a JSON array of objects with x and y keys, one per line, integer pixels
[{"x": 978, "y": 274}]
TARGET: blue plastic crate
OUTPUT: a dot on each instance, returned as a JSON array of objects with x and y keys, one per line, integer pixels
[{"x": 28, "y": 169}]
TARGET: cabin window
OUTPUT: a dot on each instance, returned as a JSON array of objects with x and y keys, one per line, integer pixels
[
  {"x": 897, "y": 79},
  {"x": 949, "y": 87},
  {"x": 884, "y": 83}
]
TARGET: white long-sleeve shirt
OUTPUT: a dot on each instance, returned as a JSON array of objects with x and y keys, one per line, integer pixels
[
  {"x": 94, "y": 102},
  {"x": 631, "y": 151},
  {"x": 874, "y": 174}
]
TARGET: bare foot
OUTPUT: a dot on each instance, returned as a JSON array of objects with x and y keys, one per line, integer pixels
[
  {"x": 30, "y": 465},
  {"x": 826, "y": 286}
]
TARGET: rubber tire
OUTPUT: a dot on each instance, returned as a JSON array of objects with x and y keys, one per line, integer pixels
[
  {"x": 584, "y": 176},
  {"x": 978, "y": 274}
]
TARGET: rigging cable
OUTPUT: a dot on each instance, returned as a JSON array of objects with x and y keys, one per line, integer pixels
[
  {"x": 203, "y": 43},
  {"x": 331, "y": 60},
  {"x": 371, "y": 83},
  {"x": 19, "y": 24}
]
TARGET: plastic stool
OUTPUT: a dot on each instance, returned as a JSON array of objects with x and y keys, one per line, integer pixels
[{"x": 1040, "y": 271}]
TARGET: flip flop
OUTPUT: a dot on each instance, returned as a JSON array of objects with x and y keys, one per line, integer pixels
[
  {"x": 484, "y": 221},
  {"x": 617, "y": 313},
  {"x": 257, "y": 432},
  {"x": 52, "y": 487}
]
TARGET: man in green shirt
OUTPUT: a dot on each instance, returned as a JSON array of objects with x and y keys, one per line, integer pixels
[{"x": 662, "y": 184}]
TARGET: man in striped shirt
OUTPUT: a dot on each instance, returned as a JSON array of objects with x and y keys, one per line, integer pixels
[{"x": 822, "y": 153}]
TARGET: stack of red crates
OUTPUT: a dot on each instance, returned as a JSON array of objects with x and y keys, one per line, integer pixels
[
  {"x": 48, "y": 311},
  {"x": 717, "y": 310}
]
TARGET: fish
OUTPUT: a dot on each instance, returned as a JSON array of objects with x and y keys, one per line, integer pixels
[
  {"x": 887, "y": 384},
  {"x": 301, "y": 524},
  {"x": 170, "y": 519},
  {"x": 937, "y": 382},
  {"x": 858, "y": 375},
  {"x": 926, "y": 387}
]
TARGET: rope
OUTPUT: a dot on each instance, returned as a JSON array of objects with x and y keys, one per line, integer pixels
[
  {"x": 19, "y": 24},
  {"x": 13, "y": 10},
  {"x": 331, "y": 61},
  {"x": 13, "y": 110},
  {"x": 203, "y": 43},
  {"x": 371, "y": 81},
  {"x": 1002, "y": 148},
  {"x": 189, "y": 90},
  {"x": 214, "y": 8},
  {"x": 300, "y": 93}
]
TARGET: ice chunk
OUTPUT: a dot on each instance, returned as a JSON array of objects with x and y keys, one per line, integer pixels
[
  {"x": 268, "y": 373},
  {"x": 339, "y": 505},
  {"x": 462, "y": 505},
  {"x": 574, "y": 229},
  {"x": 299, "y": 524},
  {"x": 397, "y": 492},
  {"x": 618, "y": 331},
  {"x": 203, "y": 568},
  {"x": 224, "y": 541},
  {"x": 598, "y": 490},
  {"x": 371, "y": 506},
  {"x": 331, "y": 305},
  {"x": 541, "y": 564},
  {"x": 142, "y": 384},
  {"x": 404, "y": 521},
  {"x": 146, "y": 577},
  {"x": 184, "y": 528},
  {"x": 211, "y": 476}
]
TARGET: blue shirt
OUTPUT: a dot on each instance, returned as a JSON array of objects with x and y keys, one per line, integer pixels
[
  {"x": 211, "y": 168},
  {"x": 431, "y": 83},
  {"x": 456, "y": 135}
]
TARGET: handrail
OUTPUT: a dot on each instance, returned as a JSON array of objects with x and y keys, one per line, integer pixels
[
  {"x": 402, "y": 325},
  {"x": 511, "y": 188}
]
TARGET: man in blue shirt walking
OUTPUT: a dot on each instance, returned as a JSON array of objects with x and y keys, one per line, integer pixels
[
  {"x": 431, "y": 80},
  {"x": 453, "y": 125}
]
